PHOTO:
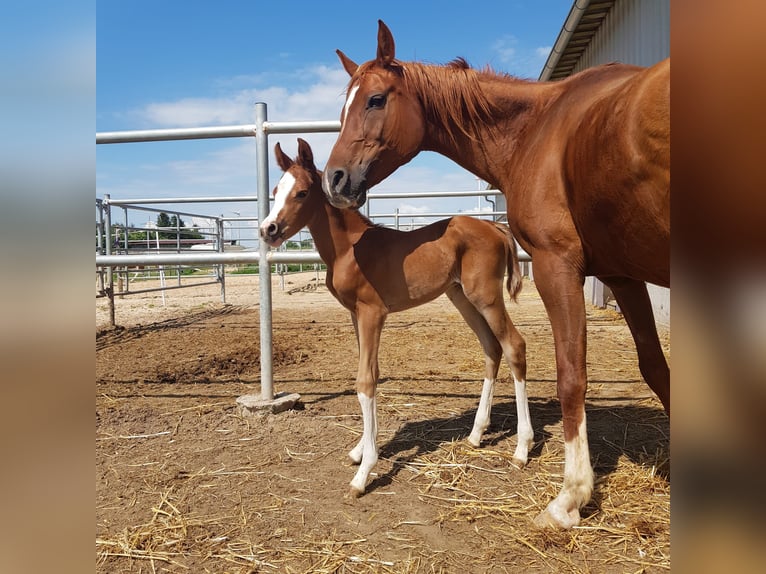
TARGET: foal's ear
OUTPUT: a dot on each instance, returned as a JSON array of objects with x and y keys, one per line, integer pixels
[
  {"x": 305, "y": 155},
  {"x": 348, "y": 64},
  {"x": 386, "y": 46},
  {"x": 283, "y": 160}
]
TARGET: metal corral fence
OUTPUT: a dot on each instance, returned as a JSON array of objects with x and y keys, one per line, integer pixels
[{"x": 114, "y": 252}]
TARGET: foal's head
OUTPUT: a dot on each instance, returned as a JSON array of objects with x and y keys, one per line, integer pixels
[
  {"x": 382, "y": 126},
  {"x": 297, "y": 196}
]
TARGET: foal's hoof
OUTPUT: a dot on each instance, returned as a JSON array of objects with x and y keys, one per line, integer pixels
[
  {"x": 353, "y": 493},
  {"x": 518, "y": 462}
]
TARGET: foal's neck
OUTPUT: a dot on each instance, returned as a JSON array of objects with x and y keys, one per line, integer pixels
[{"x": 335, "y": 231}]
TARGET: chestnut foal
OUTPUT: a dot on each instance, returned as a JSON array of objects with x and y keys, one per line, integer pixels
[{"x": 374, "y": 271}]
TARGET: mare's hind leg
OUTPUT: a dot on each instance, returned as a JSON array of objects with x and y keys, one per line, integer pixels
[{"x": 636, "y": 307}]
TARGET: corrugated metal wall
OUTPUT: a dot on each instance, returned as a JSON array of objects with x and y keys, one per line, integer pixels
[{"x": 634, "y": 32}]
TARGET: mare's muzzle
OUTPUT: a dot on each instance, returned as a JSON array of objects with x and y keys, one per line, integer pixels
[{"x": 342, "y": 190}]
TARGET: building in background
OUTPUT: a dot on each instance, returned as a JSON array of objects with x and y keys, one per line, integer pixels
[{"x": 598, "y": 32}]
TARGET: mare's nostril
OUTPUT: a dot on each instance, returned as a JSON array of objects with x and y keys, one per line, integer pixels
[{"x": 337, "y": 177}]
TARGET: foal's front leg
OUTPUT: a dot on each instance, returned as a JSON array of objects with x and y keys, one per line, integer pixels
[{"x": 369, "y": 325}]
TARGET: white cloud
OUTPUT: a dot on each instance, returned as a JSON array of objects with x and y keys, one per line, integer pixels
[
  {"x": 518, "y": 60},
  {"x": 543, "y": 51},
  {"x": 319, "y": 98},
  {"x": 505, "y": 47}
]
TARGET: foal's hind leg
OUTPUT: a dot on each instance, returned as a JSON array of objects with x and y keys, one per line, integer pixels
[
  {"x": 636, "y": 307},
  {"x": 489, "y": 303},
  {"x": 492, "y": 354},
  {"x": 498, "y": 335},
  {"x": 355, "y": 454},
  {"x": 369, "y": 326}
]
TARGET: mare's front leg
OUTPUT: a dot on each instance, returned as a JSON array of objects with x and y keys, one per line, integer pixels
[
  {"x": 369, "y": 325},
  {"x": 561, "y": 288}
]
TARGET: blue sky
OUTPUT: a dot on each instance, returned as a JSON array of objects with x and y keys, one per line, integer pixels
[{"x": 195, "y": 63}]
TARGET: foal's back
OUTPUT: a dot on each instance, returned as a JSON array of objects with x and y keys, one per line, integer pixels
[{"x": 409, "y": 268}]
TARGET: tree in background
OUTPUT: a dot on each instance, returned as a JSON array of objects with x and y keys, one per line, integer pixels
[
  {"x": 173, "y": 222},
  {"x": 163, "y": 221}
]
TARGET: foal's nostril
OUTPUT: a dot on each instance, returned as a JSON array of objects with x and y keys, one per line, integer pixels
[{"x": 272, "y": 229}]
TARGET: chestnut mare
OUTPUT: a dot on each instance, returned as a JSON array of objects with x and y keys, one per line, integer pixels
[
  {"x": 584, "y": 164},
  {"x": 373, "y": 271}
]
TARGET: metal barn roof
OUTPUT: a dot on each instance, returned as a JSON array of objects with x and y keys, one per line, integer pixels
[
  {"x": 602, "y": 31},
  {"x": 584, "y": 19}
]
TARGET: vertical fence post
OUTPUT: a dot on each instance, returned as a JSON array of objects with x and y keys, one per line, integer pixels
[
  {"x": 264, "y": 268},
  {"x": 221, "y": 248},
  {"x": 178, "y": 250},
  {"x": 109, "y": 271},
  {"x": 100, "y": 243}
]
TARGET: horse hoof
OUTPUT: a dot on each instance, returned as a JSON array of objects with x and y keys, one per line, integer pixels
[
  {"x": 353, "y": 493},
  {"x": 518, "y": 463},
  {"x": 548, "y": 519},
  {"x": 475, "y": 443}
]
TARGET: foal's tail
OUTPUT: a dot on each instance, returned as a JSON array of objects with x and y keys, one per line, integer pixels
[{"x": 513, "y": 283}]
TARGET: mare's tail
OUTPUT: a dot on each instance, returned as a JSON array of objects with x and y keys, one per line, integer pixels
[{"x": 512, "y": 264}]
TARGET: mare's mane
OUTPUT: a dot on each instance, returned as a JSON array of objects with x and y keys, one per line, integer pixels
[{"x": 451, "y": 94}]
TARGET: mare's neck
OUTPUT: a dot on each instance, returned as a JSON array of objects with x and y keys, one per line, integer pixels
[{"x": 503, "y": 107}]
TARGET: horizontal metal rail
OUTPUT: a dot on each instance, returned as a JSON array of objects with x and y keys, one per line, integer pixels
[
  {"x": 371, "y": 195},
  {"x": 435, "y": 194},
  {"x": 319, "y": 126},
  {"x": 435, "y": 214},
  {"x": 225, "y": 258},
  {"x": 165, "y": 288},
  {"x": 133, "y": 136},
  {"x": 134, "y": 203},
  {"x": 214, "y": 132}
]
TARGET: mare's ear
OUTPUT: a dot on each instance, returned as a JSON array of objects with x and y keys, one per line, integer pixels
[
  {"x": 386, "y": 46},
  {"x": 283, "y": 160},
  {"x": 348, "y": 64},
  {"x": 305, "y": 155}
]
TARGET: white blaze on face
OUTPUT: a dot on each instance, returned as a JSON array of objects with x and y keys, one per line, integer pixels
[
  {"x": 284, "y": 187},
  {"x": 349, "y": 100}
]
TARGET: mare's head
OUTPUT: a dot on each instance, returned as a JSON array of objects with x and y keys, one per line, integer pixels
[
  {"x": 382, "y": 126},
  {"x": 297, "y": 196}
]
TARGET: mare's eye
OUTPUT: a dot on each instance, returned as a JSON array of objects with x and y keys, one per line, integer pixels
[
  {"x": 376, "y": 101},
  {"x": 301, "y": 194}
]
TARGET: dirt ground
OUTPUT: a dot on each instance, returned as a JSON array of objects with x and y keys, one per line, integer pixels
[{"x": 186, "y": 483}]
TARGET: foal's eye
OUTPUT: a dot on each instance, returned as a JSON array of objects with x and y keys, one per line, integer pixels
[
  {"x": 301, "y": 194},
  {"x": 376, "y": 101}
]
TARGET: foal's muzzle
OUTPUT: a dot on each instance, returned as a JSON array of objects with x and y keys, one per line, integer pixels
[{"x": 271, "y": 233}]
